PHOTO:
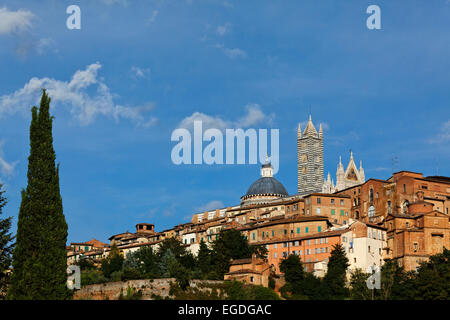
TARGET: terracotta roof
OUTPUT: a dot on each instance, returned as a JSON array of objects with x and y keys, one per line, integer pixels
[
  {"x": 292, "y": 219},
  {"x": 243, "y": 271},
  {"x": 241, "y": 261},
  {"x": 312, "y": 236}
]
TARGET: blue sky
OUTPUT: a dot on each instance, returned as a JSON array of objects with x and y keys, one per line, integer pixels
[{"x": 137, "y": 69}]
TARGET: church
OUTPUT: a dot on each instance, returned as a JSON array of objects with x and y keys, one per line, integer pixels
[{"x": 310, "y": 165}]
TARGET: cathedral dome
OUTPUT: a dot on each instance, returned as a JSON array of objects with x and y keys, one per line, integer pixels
[{"x": 265, "y": 188}]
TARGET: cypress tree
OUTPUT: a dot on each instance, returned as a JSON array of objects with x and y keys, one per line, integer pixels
[
  {"x": 39, "y": 258},
  {"x": 335, "y": 278},
  {"x": 6, "y": 246}
]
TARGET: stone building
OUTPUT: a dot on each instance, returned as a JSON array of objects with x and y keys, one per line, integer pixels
[
  {"x": 309, "y": 159},
  {"x": 253, "y": 270}
]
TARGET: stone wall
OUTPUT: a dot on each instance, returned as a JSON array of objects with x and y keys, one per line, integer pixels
[{"x": 148, "y": 287}]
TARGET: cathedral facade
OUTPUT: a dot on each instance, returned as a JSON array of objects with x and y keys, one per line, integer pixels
[
  {"x": 309, "y": 159},
  {"x": 352, "y": 176}
]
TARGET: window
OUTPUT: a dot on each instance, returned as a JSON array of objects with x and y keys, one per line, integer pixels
[
  {"x": 333, "y": 211},
  {"x": 306, "y": 229},
  {"x": 319, "y": 229},
  {"x": 253, "y": 236},
  {"x": 342, "y": 202},
  {"x": 371, "y": 211},
  {"x": 273, "y": 233},
  {"x": 274, "y": 245},
  {"x": 368, "y": 249},
  {"x": 288, "y": 208},
  {"x": 342, "y": 212},
  {"x": 275, "y": 255},
  {"x": 332, "y": 201},
  {"x": 251, "y": 279},
  {"x": 285, "y": 231},
  {"x": 318, "y": 200},
  {"x": 298, "y": 230},
  {"x": 371, "y": 195},
  {"x": 404, "y": 188},
  {"x": 317, "y": 210}
]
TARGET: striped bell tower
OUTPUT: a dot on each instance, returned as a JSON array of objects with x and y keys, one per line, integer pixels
[{"x": 309, "y": 159}]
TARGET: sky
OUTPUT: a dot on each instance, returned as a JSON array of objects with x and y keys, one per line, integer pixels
[{"x": 138, "y": 70}]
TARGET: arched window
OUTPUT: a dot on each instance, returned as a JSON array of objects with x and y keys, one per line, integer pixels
[
  {"x": 371, "y": 195},
  {"x": 371, "y": 211},
  {"x": 405, "y": 206}
]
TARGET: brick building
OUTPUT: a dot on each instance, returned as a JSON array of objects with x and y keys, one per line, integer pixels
[{"x": 416, "y": 234}]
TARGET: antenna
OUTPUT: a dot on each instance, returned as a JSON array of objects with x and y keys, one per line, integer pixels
[{"x": 394, "y": 163}]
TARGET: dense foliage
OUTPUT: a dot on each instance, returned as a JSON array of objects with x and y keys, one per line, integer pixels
[
  {"x": 39, "y": 257},
  {"x": 430, "y": 282},
  {"x": 6, "y": 246}
]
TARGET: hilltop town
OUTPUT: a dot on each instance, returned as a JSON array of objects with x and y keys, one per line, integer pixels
[{"x": 404, "y": 218}]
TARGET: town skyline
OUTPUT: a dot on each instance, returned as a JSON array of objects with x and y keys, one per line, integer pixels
[{"x": 236, "y": 70}]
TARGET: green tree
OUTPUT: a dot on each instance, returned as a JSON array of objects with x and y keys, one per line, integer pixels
[
  {"x": 358, "y": 285},
  {"x": 6, "y": 246},
  {"x": 39, "y": 257},
  {"x": 230, "y": 244},
  {"x": 204, "y": 259},
  {"x": 432, "y": 281},
  {"x": 335, "y": 278},
  {"x": 113, "y": 263},
  {"x": 396, "y": 284},
  {"x": 147, "y": 262},
  {"x": 292, "y": 268},
  {"x": 164, "y": 263},
  {"x": 180, "y": 273}
]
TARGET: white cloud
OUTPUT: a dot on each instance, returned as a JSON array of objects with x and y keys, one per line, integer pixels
[
  {"x": 212, "y": 205},
  {"x": 140, "y": 72},
  {"x": 444, "y": 133},
  {"x": 14, "y": 21},
  {"x": 86, "y": 94},
  {"x": 253, "y": 116},
  {"x": 231, "y": 53},
  {"x": 112, "y": 2},
  {"x": 153, "y": 16},
  {"x": 6, "y": 168},
  {"x": 44, "y": 44},
  {"x": 230, "y": 5},
  {"x": 223, "y": 30}
]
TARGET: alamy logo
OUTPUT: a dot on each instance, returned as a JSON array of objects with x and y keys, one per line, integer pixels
[
  {"x": 374, "y": 280},
  {"x": 215, "y": 152},
  {"x": 74, "y": 277}
]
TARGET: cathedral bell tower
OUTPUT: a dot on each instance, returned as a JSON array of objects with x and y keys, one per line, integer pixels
[{"x": 309, "y": 159}]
